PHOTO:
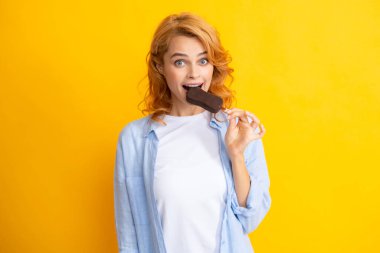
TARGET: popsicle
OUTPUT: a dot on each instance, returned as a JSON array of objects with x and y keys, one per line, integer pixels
[{"x": 206, "y": 100}]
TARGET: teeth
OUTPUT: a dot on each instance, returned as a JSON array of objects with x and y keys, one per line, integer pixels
[
  {"x": 188, "y": 86},
  {"x": 193, "y": 85}
]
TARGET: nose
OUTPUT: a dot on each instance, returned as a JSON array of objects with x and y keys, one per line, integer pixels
[{"x": 193, "y": 71}]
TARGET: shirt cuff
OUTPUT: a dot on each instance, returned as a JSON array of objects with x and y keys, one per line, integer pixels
[{"x": 253, "y": 195}]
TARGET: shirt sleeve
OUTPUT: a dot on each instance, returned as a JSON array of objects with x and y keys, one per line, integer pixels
[
  {"x": 258, "y": 200},
  {"x": 125, "y": 228}
]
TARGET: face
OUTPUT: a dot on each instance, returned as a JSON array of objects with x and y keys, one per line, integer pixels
[{"x": 185, "y": 63}]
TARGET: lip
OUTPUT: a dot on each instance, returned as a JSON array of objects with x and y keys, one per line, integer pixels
[{"x": 187, "y": 88}]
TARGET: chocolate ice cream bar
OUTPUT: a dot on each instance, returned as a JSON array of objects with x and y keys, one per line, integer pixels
[{"x": 204, "y": 99}]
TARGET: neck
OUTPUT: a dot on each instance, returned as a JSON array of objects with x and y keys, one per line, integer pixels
[{"x": 187, "y": 111}]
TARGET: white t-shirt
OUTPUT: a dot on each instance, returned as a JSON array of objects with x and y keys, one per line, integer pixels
[{"x": 189, "y": 184}]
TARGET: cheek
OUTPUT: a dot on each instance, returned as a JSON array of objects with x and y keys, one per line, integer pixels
[
  {"x": 209, "y": 72},
  {"x": 174, "y": 74}
]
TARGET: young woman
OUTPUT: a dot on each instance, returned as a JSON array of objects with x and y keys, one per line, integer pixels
[{"x": 187, "y": 180}]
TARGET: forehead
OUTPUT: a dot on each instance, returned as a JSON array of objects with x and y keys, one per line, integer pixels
[{"x": 184, "y": 44}]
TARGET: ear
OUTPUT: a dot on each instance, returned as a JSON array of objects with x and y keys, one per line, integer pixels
[{"x": 160, "y": 68}]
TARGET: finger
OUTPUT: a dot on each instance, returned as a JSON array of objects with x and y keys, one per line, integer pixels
[
  {"x": 232, "y": 124},
  {"x": 253, "y": 117},
  {"x": 242, "y": 115},
  {"x": 248, "y": 115},
  {"x": 262, "y": 132},
  {"x": 232, "y": 110},
  {"x": 227, "y": 110},
  {"x": 254, "y": 124}
]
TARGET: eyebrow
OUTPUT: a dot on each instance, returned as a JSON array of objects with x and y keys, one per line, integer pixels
[{"x": 181, "y": 54}]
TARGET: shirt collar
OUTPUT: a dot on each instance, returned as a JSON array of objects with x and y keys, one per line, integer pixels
[{"x": 152, "y": 125}]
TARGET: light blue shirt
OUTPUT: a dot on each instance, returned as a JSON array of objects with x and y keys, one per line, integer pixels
[{"x": 138, "y": 224}]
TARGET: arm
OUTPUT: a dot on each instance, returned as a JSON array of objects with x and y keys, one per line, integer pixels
[
  {"x": 258, "y": 200},
  {"x": 245, "y": 148},
  {"x": 242, "y": 181},
  {"x": 125, "y": 228}
]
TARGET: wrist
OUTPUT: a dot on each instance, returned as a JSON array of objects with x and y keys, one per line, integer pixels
[{"x": 236, "y": 156}]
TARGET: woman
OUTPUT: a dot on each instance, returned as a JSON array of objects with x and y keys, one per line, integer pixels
[{"x": 187, "y": 180}]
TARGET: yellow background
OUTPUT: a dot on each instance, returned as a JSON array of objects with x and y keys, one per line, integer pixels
[{"x": 69, "y": 74}]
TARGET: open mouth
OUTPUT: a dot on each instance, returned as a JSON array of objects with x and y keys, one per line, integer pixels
[{"x": 189, "y": 86}]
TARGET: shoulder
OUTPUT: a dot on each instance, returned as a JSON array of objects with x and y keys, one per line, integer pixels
[{"x": 134, "y": 128}]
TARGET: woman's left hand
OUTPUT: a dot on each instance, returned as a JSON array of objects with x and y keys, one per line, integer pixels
[{"x": 240, "y": 134}]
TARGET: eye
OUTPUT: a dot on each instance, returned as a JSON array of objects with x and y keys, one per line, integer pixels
[
  {"x": 179, "y": 63},
  {"x": 204, "y": 61}
]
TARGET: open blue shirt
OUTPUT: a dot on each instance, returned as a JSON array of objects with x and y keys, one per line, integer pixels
[{"x": 138, "y": 224}]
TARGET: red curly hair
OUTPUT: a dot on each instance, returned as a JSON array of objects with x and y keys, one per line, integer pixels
[{"x": 158, "y": 97}]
